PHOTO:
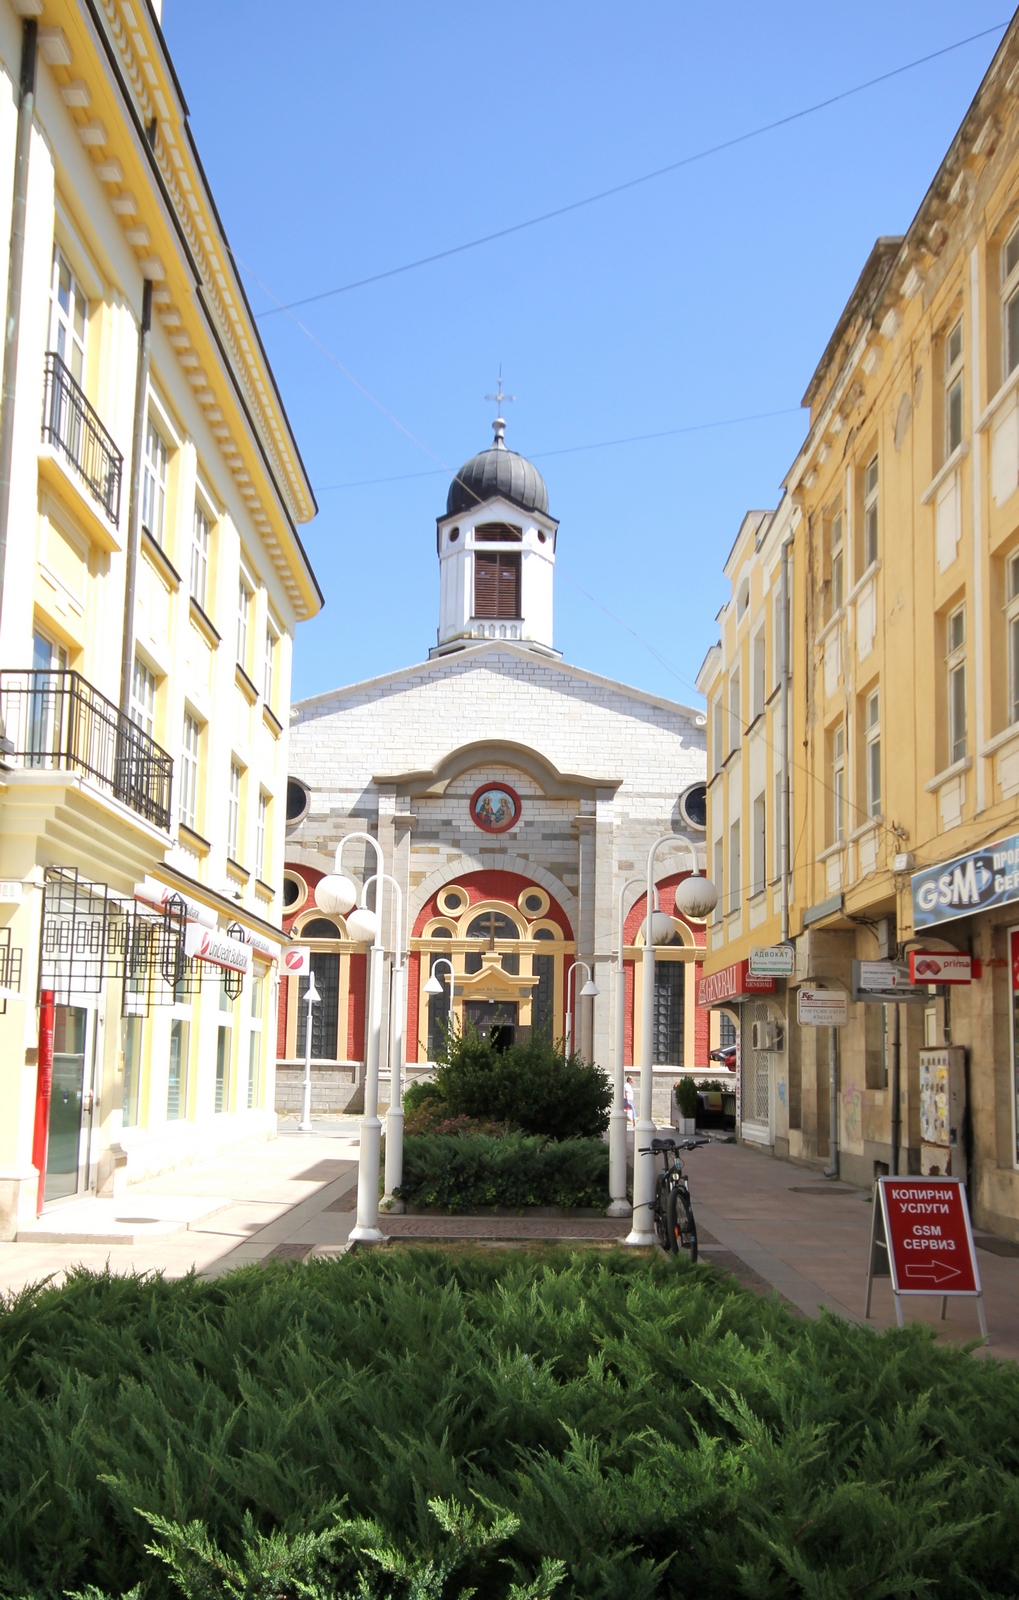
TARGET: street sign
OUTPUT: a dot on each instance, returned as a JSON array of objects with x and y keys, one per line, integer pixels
[
  {"x": 297, "y": 960},
  {"x": 884, "y": 982},
  {"x": 929, "y": 1242},
  {"x": 940, "y": 966},
  {"x": 772, "y": 961},
  {"x": 821, "y": 1008}
]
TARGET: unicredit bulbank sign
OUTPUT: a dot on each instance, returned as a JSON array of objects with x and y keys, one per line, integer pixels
[
  {"x": 205, "y": 944},
  {"x": 975, "y": 882}
]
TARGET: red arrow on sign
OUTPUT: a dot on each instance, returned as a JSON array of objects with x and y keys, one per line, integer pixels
[{"x": 932, "y": 1271}]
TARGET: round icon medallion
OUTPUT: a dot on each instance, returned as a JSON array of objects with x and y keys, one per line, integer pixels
[{"x": 495, "y": 807}]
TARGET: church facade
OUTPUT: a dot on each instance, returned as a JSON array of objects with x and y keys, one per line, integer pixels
[{"x": 514, "y": 797}]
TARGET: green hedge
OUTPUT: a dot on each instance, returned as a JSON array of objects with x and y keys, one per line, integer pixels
[
  {"x": 535, "y": 1085},
  {"x": 421, "y": 1425},
  {"x": 460, "y": 1174}
]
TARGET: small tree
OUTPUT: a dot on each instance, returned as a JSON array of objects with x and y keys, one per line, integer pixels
[{"x": 686, "y": 1097}]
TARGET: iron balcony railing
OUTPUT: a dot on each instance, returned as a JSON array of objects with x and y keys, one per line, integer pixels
[
  {"x": 72, "y": 426},
  {"x": 56, "y": 721}
]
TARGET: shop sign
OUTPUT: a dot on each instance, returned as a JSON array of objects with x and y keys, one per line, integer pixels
[
  {"x": 157, "y": 894},
  {"x": 297, "y": 960},
  {"x": 772, "y": 961},
  {"x": 267, "y": 949},
  {"x": 938, "y": 966},
  {"x": 206, "y": 944},
  {"x": 973, "y": 882},
  {"x": 884, "y": 982},
  {"x": 927, "y": 1231},
  {"x": 732, "y": 983},
  {"x": 821, "y": 1008}
]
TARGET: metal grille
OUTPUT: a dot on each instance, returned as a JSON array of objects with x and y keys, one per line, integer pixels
[
  {"x": 543, "y": 993},
  {"x": 72, "y": 426},
  {"x": 755, "y": 1068},
  {"x": 90, "y": 936},
  {"x": 670, "y": 978},
  {"x": 325, "y": 966},
  {"x": 10, "y": 966},
  {"x": 56, "y": 721}
]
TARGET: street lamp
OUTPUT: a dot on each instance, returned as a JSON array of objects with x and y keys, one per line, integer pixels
[
  {"x": 588, "y": 992},
  {"x": 311, "y": 998},
  {"x": 619, "y": 1206},
  {"x": 698, "y": 897},
  {"x": 433, "y": 986},
  {"x": 398, "y": 1016},
  {"x": 337, "y": 894}
]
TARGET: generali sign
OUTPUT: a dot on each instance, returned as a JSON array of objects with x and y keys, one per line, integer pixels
[
  {"x": 206, "y": 944},
  {"x": 732, "y": 983}
]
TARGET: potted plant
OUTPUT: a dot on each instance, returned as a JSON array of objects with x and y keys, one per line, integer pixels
[{"x": 687, "y": 1106}]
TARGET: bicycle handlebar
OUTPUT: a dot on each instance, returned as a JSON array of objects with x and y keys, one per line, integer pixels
[{"x": 659, "y": 1147}]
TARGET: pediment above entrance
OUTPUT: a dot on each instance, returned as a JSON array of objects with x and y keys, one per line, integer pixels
[{"x": 555, "y": 785}]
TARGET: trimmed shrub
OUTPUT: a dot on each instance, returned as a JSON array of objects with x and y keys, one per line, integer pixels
[
  {"x": 422, "y": 1424},
  {"x": 686, "y": 1097},
  {"x": 514, "y": 1170},
  {"x": 419, "y": 1094},
  {"x": 536, "y": 1086}
]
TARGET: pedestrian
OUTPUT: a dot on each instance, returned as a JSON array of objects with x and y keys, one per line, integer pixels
[{"x": 628, "y": 1105}]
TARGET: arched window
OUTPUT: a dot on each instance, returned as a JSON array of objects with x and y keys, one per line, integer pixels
[
  {"x": 490, "y": 926},
  {"x": 320, "y": 928}
]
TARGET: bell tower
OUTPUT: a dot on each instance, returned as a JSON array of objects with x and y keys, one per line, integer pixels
[{"x": 496, "y": 547}]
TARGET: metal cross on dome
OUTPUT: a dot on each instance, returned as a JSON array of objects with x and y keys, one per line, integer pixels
[{"x": 499, "y": 397}]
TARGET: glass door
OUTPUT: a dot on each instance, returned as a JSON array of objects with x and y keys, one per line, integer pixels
[{"x": 67, "y": 1151}]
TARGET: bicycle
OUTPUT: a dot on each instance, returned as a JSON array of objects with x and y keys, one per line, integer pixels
[{"x": 673, "y": 1211}]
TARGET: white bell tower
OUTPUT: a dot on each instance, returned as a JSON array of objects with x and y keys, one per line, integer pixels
[{"x": 496, "y": 547}]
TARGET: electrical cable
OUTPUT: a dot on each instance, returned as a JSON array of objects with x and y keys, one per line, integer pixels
[{"x": 632, "y": 183}]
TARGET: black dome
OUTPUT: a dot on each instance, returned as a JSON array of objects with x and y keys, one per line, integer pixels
[{"x": 497, "y": 471}]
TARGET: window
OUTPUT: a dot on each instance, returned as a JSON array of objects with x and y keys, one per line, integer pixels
[
  {"x": 735, "y": 868},
  {"x": 261, "y": 824},
  {"x": 956, "y": 657},
  {"x": 255, "y": 1042},
  {"x": 953, "y": 389},
  {"x": 243, "y": 618},
  {"x": 1010, "y": 301},
  {"x": 222, "y": 1094},
  {"x": 870, "y": 512},
  {"x": 872, "y": 736},
  {"x": 719, "y": 874},
  {"x": 188, "y": 811},
  {"x": 735, "y": 713},
  {"x": 233, "y": 812},
  {"x": 143, "y": 697},
  {"x": 837, "y": 558},
  {"x": 68, "y": 318},
  {"x": 670, "y": 984},
  {"x": 838, "y": 784},
  {"x": 726, "y": 1031},
  {"x": 269, "y": 670},
  {"x": 760, "y": 684},
  {"x": 1012, "y": 622},
  {"x": 496, "y": 584},
  {"x": 759, "y": 847},
  {"x": 200, "y": 557},
  {"x": 132, "y": 1070},
  {"x": 154, "y": 483},
  {"x": 777, "y": 810},
  {"x": 176, "y": 1083},
  {"x": 717, "y": 734}
]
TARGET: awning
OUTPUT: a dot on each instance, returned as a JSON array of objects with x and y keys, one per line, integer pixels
[{"x": 730, "y": 984}]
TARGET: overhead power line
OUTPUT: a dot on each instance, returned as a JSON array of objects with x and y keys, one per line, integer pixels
[{"x": 633, "y": 183}]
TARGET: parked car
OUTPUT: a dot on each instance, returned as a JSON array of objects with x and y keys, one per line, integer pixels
[{"x": 725, "y": 1056}]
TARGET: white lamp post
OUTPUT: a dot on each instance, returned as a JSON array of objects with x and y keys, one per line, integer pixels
[
  {"x": 337, "y": 894},
  {"x": 398, "y": 1018},
  {"x": 619, "y": 1206},
  {"x": 588, "y": 992},
  {"x": 433, "y": 986},
  {"x": 311, "y": 998},
  {"x": 693, "y": 901}
]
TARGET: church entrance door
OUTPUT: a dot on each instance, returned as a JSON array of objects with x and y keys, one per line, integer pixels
[{"x": 497, "y": 1018}]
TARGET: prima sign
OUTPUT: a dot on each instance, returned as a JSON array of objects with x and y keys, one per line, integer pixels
[{"x": 973, "y": 882}]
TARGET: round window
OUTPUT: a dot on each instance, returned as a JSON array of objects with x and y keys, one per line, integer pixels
[
  {"x": 298, "y": 800},
  {"x": 452, "y": 901},
  {"x": 693, "y": 806},
  {"x": 532, "y": 901},
  {"x": 454, "y": 534},
  {"x": 295, "y": 891}
]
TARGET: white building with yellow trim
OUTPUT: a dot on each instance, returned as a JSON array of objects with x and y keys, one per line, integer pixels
[{"x": 152, "y": 577}]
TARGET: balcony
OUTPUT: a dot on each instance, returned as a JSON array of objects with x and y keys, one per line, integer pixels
[
  {"x": 57, "y": 722},
  {"x": 73, "y": 428}
]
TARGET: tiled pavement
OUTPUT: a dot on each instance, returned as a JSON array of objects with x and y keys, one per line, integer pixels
[{"x": 776, "y": 1227}]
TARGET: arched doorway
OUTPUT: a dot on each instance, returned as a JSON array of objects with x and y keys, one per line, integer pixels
[{"x": 510, "y": 945}]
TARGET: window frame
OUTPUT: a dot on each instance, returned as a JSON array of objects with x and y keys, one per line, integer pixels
[
  {"x": 1011, "y": 610},
  {"x": 735, "y": 698},
  {"x": 233, "y": 812},
  {"x": 953, "y": 387},
  {"x": 201, "y": 531},
  {"x": 155, "y": 477},
  {"x": 735, "y": 865},
  {"x": 1009, "y": 295},
  {"x": 872, "y": 751},
  {"x": 190, "y": 762},
  {"x": 261, "y": 834},
  {"x": 837, "y": 561},
  {"x": 871, "y": 496},
  {"x": 244, "y": 599},
  {"x": 62, "y": 323},
  {"x": 142, "y": 710},
  {"x": 837, "y": 767},
  {"x": 955, "y": 666}
]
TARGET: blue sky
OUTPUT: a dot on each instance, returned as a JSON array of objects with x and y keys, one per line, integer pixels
[{"x": 347, "y": 139}]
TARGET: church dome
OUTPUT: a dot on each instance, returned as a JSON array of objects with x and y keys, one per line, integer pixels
[{"x": 497, "y": 472}]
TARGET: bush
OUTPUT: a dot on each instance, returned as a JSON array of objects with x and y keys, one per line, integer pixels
[
  {"x": 686, "y": 1097},
  {"x": 536, "y": 1086},
  {"x": 418, "y": 1422},
  {"x": 434, "y": 1116},
  {"x": 513, "y": 1170},
  {"x": 419, "y": 1094}
]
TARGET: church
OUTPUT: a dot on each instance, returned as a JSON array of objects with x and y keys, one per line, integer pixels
[{"x": 515, "y": 798}]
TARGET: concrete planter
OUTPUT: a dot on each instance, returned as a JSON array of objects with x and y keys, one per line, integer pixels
[{"x": 686, "y": 1127}]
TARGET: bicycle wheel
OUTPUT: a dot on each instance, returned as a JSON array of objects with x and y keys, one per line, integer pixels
[
  {"x": 681, "y": 1226},
  {"x": 662, "y": 1216}
]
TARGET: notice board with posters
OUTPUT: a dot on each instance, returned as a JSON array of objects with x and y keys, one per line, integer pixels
[{"x": 922, "y": 1226}]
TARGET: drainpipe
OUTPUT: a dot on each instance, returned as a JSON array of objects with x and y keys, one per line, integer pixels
[
  {"x": 784, "y": 602},
  {"x": 134, "y": 525},
  {"x": 895, "y": 1051},
  {"x": 15, "y": 272},
  {"x": 832, "y": 1169}
]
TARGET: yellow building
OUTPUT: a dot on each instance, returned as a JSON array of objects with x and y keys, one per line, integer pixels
[
  {"x": 152, "y": 577},
  {"x": 904, "y": 704}
]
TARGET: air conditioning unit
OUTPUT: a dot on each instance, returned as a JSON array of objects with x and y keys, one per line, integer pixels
[{"x": 767, "y": 1036}]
